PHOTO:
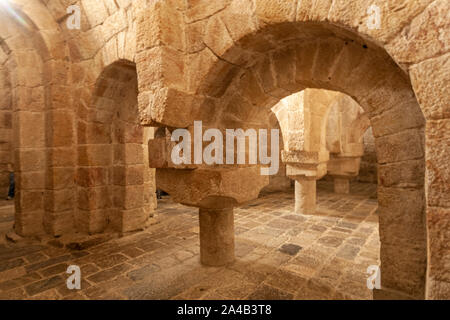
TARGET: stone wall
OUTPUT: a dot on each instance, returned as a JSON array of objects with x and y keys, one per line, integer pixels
[
  {"x": 222, "y": 62},
  {"x": 239, "y": 57},
  {"x": 368, "y": 169},
  {"x": 6, "y": 133},
  {"x": 279, "y": 181},
  {"x": 115, "y": 184}
]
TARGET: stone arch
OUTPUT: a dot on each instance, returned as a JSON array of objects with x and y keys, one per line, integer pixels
[
  {"x": 304, "y": 115},
  {"x": 327, "y": 123},
  {"x": 374, "y": 81},
  {"x": 240, "y": 73},
  {"x": 355, "y": 122},
  {"x": 349, "y": 122},
  {"x": 357, "y": 150},
  {"x": 114, "y": 182},
  {"x": 278, "y": 120},
  {"x": 359, "y": 127},
  {"x": 6, "y": 136},
  {"x": 38, "y": 74}
]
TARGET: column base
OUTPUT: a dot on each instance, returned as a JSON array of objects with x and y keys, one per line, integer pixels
[
  {"x": 341, "y": 185},
  {"x": 216, "y": 236},
  {"x": 387, "y": 294},
  {"x": 305, "y": 196}
]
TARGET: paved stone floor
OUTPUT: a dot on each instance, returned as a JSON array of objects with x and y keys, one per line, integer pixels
[{"x": 280, "y": 255}]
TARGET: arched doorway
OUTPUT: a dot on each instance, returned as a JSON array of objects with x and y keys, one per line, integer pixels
[
  {"x": 254, "y": 70},
  {"x": 115, "y": 186}
]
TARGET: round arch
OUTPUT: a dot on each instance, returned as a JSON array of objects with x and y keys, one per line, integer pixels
[
  {"x": 36, "y": 71},
  {"x": 114, "y": 185},
  {"x": 365, "y": 72},
  {"x": 235, "y": 78}
]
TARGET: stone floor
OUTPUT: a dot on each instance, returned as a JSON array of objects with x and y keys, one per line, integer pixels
[
  {"x": 6, "y": 219},
  {"x": 280, "y": 255}
]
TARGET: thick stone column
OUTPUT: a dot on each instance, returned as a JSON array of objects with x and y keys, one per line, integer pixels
[
  {"x": 343, "y": 169},
  {"x": 305, "y": 168},
  {"x": 305, "y": 195},
  {"x": 216, "y": 236},
  {"x": 215, "y": 192},
  {"x": 342, "y": 185}
]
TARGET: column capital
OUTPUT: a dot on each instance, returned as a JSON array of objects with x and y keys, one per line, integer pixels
[{"x": 212, "y": 188}]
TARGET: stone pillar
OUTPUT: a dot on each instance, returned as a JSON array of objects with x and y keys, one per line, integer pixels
[
  {"x": 216, "y": 236},
  {"x": 341, "y": 185},
  {"x": 305, "y": 195}
]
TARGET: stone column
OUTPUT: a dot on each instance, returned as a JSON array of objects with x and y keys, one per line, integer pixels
[
  {"x": 216, "y": 236},
  {"x": 211, "y": 189},
  {"x": 341, "y": 185},
  {"x": 305, "y": 195}
]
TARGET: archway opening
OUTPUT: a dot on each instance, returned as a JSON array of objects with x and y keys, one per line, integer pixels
[
  {"x": 24, "y": 119},
  {"x": 7, "y": 181},
  {"x": 115, "y": 184},
  {"x": 329, "y": 232},
  {"x": 322, "y": 56}
]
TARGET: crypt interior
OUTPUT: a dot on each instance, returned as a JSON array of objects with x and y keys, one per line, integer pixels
[{"x": 89, "y": 117}]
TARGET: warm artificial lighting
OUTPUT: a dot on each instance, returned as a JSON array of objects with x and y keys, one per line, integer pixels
[{"x": 5, "y": 5}]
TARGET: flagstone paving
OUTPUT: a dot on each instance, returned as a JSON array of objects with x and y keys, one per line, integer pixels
[{"x": 279, "y": 255}]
